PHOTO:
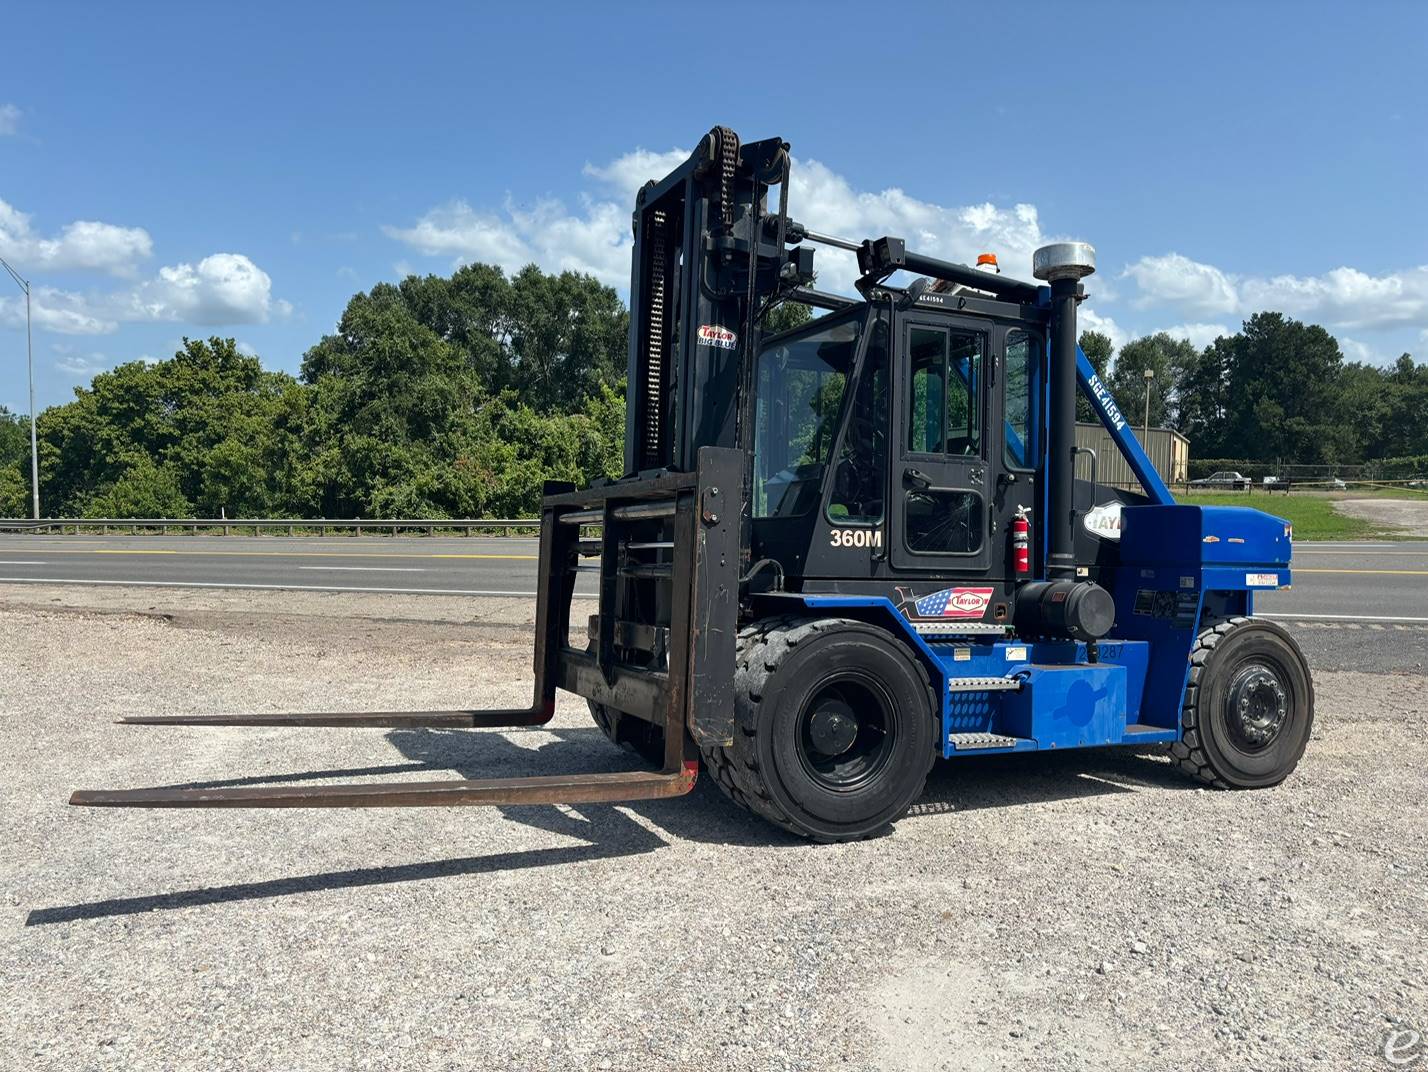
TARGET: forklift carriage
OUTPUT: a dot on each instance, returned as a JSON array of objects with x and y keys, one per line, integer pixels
[{"x": 841, "y": 552}]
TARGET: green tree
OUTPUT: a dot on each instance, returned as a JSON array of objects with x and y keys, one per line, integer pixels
[
  {"x": 1098, "y": 349},
  {"x": 1282, "y": 400},
  {"x": 388, "y": 399},
  {"x": 785, "y": 317},
  {"x": 1171, "y": 363},
  {"x": 210, "y": 417},
  {"x": 1404, "y": 427},
  {"x": 14, "y": 438},
  {"x": 14, "y": 464},
  {"x": 568, "y": 338},
  {"x": 142, "y": 489},
  {"x": 14, "y": 493},
  {"x": 1203, "y": 405}
]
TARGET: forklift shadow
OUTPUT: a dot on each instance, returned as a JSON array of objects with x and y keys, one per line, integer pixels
[
  {"x": 1012, "y": 779},
  {"x": 705, "y": 815},
  {"x": 613, "y": 831},
  {"x": 605, "y": 831}
]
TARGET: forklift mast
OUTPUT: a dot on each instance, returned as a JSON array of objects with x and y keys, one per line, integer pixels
[{"x": 708, "y": 258}]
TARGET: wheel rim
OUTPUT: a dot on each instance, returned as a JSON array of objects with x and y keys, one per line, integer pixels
[
  {"x": 1257, "y": 707},
  {"x": 847, "y": 732}
]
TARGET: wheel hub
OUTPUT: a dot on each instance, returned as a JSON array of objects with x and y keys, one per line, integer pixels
[
  {"x": 1258, "y": 706},
  {"x": 846, "y": 734},
  {"x": 833, "y": 728}
]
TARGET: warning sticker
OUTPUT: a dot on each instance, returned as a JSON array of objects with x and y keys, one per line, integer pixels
[
  {"x": 1262, "y": 580},
  {"x": 1179, "y": 607},
  {"x": 1016, "y": 654}
]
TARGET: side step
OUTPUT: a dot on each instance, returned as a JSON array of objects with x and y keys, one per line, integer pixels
[
  {"x": 978, "y": 742},
  {"x": 984, "y": 684},
  {"x": 955, "y": 629}
]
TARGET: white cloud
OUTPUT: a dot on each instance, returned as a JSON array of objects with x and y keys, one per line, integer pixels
[
  {"x": 84, "y": 245},
  {"x": 1354, "y": 350},
  {"x": 9, "y": 119},
  {"x": 1199, "y": 335},
  {"x": 595, "y": 241},
  {"x": 626, "y": 174},
  {"x": 1179, "y": 281},
  {"x": 825, "y": 201},
  {"x": 59, "y": 311},
  {"x": 1089, "y": 320},
  {"x": 594, "y": 237},
  {"x": 73, "y": 363},
  {"x": 224, "y": 288},
  {"x": 1344, "y": 297}
]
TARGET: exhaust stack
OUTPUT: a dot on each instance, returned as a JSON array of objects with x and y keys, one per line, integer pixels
[{"x": 1063, "y": 265}]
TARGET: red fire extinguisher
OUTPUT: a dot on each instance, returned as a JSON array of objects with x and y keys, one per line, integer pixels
[{"x": 1021, "y": 542}]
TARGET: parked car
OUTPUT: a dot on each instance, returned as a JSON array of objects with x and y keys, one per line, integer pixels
[
  {"x": 1225, "y": 478},
  {"x": 1276, "y": 483}
]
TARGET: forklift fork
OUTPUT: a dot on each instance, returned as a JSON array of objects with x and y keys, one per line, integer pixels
[{"x": 690, "y": 697}]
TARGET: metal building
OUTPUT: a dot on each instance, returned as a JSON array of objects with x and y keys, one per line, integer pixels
[{"x": 1169, "y": 452}]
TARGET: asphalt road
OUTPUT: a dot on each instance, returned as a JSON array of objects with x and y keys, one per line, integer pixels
[{"x": 1353, "y": 605}]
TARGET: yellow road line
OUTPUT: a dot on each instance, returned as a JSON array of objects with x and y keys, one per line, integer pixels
[{"x": 258, "y": 554}]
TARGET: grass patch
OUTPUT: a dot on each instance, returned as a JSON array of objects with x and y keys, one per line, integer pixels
[{"x": 1313, "y": 516}]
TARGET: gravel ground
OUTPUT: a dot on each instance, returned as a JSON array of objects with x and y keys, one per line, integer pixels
[
  {"x": 1410, "y": 516},
  {"x": 1082, "y": 910}
]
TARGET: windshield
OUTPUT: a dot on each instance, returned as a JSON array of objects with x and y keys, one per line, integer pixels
[{"x": 800, "y": 384}]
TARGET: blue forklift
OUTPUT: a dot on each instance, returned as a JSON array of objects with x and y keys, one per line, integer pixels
[{"x": 843, "y": 551}]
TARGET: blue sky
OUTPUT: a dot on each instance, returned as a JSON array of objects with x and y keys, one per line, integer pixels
[{"x": 171, "y": 170}]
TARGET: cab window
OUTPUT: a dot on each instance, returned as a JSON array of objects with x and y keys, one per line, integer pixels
[
  {"x": 799, "y": 392},
  {"x": 1022, "y": 352},
  {"x": 861, "y": 472},
  {"x": 945, "y": 414}
]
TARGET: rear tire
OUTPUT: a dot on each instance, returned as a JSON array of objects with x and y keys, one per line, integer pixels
[
  {"x": 835, "y": 729},
  {"x": 1249, "y": 706}
]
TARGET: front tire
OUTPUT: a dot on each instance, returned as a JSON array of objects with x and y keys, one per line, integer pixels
[
  {"x": 835, "y": 728},
  {"x": 1249, "y": 706}
]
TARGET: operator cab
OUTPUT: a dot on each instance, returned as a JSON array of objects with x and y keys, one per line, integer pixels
[{"x": 895, "y": 439}]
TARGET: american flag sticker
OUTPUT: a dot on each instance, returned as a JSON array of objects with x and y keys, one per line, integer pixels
[{"x": 954, "y": 603}]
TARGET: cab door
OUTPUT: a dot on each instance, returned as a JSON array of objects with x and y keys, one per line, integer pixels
[{"x": 941, "y": 496}]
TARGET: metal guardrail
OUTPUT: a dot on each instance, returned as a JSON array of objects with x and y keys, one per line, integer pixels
[{"x": 508, "y": 526}]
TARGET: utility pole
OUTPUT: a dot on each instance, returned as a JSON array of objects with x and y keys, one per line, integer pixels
[
  {"x": 1149, "y": 375},
  {"x": 24, "y": 284}
]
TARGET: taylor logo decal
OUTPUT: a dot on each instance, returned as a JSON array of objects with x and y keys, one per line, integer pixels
[
  {"x": 1104, "y": 521},
  {"x": 948, "y": 603},
  {"x": 714, "y": 335}
]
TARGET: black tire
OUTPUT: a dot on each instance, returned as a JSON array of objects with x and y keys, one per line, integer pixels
[
  {"x": 1249, "y": 706},
  {"x": 645, "y": 739},
  {"x": 835, "y": 728}
]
